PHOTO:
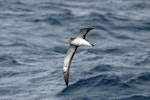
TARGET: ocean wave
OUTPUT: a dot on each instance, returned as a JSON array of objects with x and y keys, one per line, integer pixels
[
  {"x": 102, "y": 68},
  {"x": 7, "y": 60},
  {"x": 48, "y": 20},
  {"x": 142, "y": 60},
  {"x": 17, "y": 44},
  {"x": 32, "y": 49},
  {"x": 99, "y": 82},
  {"x": 135, "y": 97},
  {"x": 9, "y": 90},
  {"x": 111, "y": 50},
  {"x": 8, "y": 74},
  {"x": 60, "y": 49},
  {"x": 140, "y": 79}
]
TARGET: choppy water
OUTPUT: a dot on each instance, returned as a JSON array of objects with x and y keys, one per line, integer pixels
[{"x": 32, "y": 47}]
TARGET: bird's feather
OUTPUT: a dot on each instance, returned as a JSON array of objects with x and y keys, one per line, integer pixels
[
  {"x": 83, "y": 32},
  {"x": 67, "y": 62}
]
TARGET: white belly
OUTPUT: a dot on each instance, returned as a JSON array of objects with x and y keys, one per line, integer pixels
[{"x": 80, "y": 42}]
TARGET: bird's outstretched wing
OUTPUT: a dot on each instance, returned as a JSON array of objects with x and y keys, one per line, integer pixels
[
  {"x": 67, "y": 62},
  {"x": 83, "y": 32}
]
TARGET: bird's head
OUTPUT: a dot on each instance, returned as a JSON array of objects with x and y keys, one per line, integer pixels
[{"x": 69, "y": 40}]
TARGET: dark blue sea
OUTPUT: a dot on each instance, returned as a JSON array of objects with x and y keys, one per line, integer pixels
[{"x": 32, "y": 49}]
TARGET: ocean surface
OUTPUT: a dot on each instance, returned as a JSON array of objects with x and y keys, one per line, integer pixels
[{"x": 32, "y": 49}]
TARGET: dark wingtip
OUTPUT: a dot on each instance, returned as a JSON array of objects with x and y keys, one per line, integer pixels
[
  {"x": 90, "y": 29},
  {"x": 66, "y": 81},
  {"x": 66, "y": 77},
  {"x": 67, "y": 84}
]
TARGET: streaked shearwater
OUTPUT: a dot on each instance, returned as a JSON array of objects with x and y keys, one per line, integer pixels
[{"x": 75, "y": 42}]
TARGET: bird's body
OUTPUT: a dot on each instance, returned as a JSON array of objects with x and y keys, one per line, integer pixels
[
  {"x": 80, "y": 42},
  {"x": 75, "y": 42}
]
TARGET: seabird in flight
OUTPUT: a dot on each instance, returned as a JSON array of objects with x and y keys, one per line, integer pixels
[{"x": 75, "y": 42}]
